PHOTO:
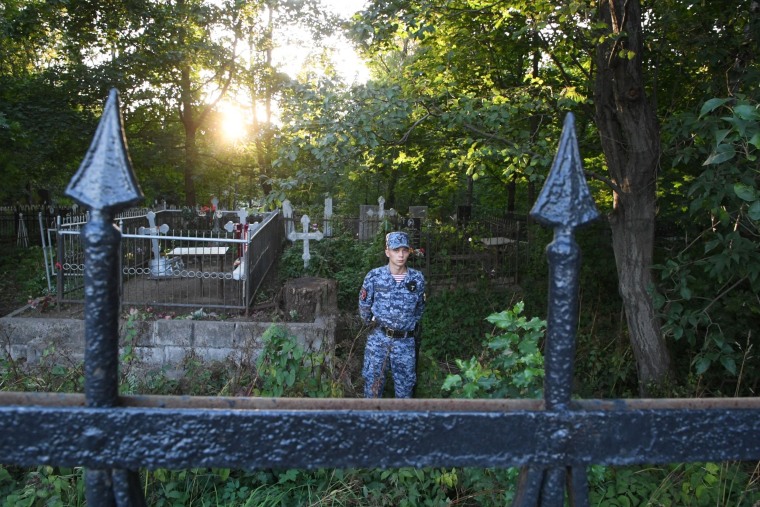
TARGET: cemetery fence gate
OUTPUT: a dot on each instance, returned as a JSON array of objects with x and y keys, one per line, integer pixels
[{"x": 553, "y": 440}]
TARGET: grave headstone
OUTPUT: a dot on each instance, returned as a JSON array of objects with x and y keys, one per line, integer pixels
[
  {"x": 305, "y": 236},
  {"x": 328, "y": 217},
  {"x": 418, "y": 212},
  {"x": 287, "y": 215},
  {"x": 370, "y": 217},
  {"x": 368, "y": 221}
]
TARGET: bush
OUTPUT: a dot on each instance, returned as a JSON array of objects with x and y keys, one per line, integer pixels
[{"x": 512, "y": 365}]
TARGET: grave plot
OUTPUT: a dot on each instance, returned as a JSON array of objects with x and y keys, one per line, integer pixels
[
  {"x": 209, "y": 268},
  {"x": 183, "y": 268}
]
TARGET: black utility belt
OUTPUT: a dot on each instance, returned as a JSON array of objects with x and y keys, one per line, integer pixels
[{"x": 395, "y": 333}]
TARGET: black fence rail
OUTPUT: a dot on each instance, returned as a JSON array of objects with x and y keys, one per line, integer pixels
[{"x": 553, "y": 439}]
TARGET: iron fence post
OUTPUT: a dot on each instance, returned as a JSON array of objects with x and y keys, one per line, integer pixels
[
  {"x": 104, "y": 183},
  {"x": 564, "y": 204}
]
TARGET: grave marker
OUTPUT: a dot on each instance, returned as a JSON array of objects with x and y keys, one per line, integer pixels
[
  {"x": 370, "y": 217},
  {"x": 328, "y": 217},
  {"x": 216, "y": 214},
  {"x": 287, "y": 214},
  {"x": 417, "y": 215},
  {"x": 305, "y": 236},
  {"x": 23, "y": 236},
  {"x": 159, "y": 266},
  {"x": 241, "y": 230}
]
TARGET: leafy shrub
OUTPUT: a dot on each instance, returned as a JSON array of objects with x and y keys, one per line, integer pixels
[
  {"x": 708, "y": 285},
  {"x": 285, "y": 369},
  {"x": 22, "y": 274},
  {"x": 690, "y": 484},
  {"x": 454, "y": 321},
  {"x": 512, "y": 365}
]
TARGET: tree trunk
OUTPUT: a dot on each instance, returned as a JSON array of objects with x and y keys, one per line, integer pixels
[
  {"x": 305, "y": 299},
  {"x": 631, "y": 142},
  {"x": 187, "y": 116}
]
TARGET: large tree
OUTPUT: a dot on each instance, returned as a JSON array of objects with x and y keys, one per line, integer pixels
[
  {"x": 501, "y": 75},
  {"x": 630, "y": 137}
]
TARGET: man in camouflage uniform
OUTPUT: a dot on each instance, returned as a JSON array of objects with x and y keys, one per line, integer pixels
[{"x": 392, "y": 299}]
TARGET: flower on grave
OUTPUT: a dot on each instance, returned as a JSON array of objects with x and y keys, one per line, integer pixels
[{"x": 420, "y": 252}]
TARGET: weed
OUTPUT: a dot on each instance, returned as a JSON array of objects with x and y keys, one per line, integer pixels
[{"x": 512, "y": 365}]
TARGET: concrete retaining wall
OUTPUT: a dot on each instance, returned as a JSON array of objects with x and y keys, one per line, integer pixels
[{"x": 157, "y": 344}]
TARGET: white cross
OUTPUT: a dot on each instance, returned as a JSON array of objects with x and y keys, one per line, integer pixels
[
  {"x": 242, "y": 219},
  {"x": 305, "y": 236},
  {"x": 154, "y": 231}
]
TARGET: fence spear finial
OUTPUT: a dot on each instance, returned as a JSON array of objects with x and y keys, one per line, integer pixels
[
  {"x": 565, "y": 199},
  {"x": 105, "y": 179},
  {"x": 564, "y": 203}
]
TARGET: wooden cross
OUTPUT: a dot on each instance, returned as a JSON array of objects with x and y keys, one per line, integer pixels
[
  {"x": 305, "y": 236},
  {"x": 154, "y": 231}
]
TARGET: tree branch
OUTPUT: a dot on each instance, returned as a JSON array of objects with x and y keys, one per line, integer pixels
[
  {"x": 704, "y": 310},
  {"x": 406, "y": 135},
  {"x": 604, "y": 179}
]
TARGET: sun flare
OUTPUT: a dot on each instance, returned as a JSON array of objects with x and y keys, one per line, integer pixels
[{"x": 234, "y": 123}]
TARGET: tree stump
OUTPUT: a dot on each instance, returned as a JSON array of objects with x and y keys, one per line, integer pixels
[{"x": 305, "y": 299}]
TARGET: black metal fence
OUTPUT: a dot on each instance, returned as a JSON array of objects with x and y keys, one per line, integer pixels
[
  {"x": 450, "y": 254},
  {"x": 553, "y": 439}
]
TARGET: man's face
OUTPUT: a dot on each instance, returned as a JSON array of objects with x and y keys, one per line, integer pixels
[{"x": 398, "y": 256}]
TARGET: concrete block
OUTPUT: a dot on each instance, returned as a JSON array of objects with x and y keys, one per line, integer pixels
[
  {"x": 174, "y": 355},
  {"x": 177, "y": 333},
  {"x": 213, "y": 353},
  {"x": 214, "y": 334},
  {"x": 153, "y": 356}
]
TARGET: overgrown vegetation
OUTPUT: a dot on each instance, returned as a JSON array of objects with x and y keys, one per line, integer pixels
[
  {"x": 22, "y": 276},
  {"x": 477, "y": 343}
]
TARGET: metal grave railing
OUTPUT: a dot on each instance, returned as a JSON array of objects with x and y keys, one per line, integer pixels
[{"x": 553, "y": 439}]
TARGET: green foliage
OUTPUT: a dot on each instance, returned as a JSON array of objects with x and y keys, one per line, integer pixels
[
  {"x": 691, "y": 484},
  {"x": 22, "y": 274},
  {"x": 41, "y": 486},
  {"x": 284, "y": 369},
  {"x": 512, "y": 365},
  {"x": 49, "y": 374},
  {"x": 453, "y": 323},
  {"x": 707, "y": 287}
]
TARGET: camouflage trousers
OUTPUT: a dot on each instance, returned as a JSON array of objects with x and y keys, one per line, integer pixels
[{"x": 382, "y": 353}]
